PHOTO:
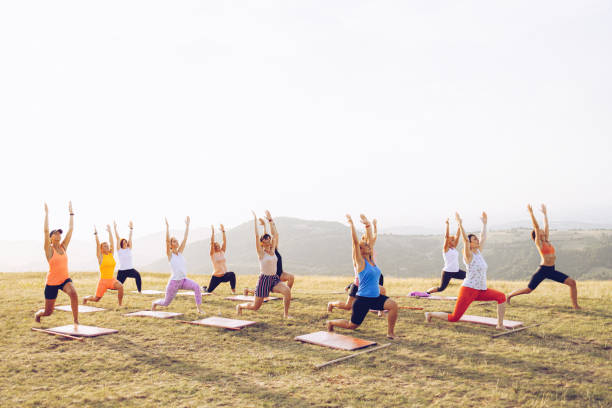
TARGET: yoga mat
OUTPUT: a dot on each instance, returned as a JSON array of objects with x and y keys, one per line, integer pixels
[{"x": 334, "y": 340}]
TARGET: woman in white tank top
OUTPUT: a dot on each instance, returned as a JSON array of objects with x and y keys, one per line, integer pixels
[
  {"x": 268, "y": 281},
  {"x": 475, "y": 284},
  {"x": 178, "y": 265},
  {"x": 451, "y": 261},
  {"x": 126, "y": 263}
]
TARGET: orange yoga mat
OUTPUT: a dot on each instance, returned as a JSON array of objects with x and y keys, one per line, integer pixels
[
  {"x": 489, "y": 321},
  {"x": 335, "y": 341},
  {"x": 82, "y": 330},
  {"x": 222, "y": 322}
]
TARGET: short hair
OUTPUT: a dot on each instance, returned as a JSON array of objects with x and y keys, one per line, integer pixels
[
  {"x": 264, "y": 236},
  {"x": 470, "y": 237}
]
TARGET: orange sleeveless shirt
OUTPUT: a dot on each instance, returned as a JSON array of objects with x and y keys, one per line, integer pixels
[{"x": 58, "y": 268}]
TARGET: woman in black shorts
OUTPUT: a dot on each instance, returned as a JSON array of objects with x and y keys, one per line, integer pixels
[
  {"x": 368, "y": 295},
  {"x": 547, "y": 266}
]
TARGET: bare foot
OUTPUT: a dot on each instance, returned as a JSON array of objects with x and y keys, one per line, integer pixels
[
  {"x": 508, "y": 299},
  {"x": 428, "y": 317},
  {"x": 502, "y": 328},
  {"x": 37, "y": 316},
  {"x": 238, "y": 310},
  {"x": 577, "y": 307},
  {"x": 84, "y": 301},
  {"x": 391, "y": 336},
  {"x": 200, "y": 311},
  {"x": 76, "y": 326},
  {"x": 246, "y": 292},
  {"x": 330, "y": 327},
  {"x": 330, "y": 307},
  {"x": 380, "y": 313},
  {"x": 288, "y": 317},
  {"x": 153, "y": 306}
]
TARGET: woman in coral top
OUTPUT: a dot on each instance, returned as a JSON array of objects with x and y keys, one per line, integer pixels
[
  {"x": 107, "y": 263},
  {"x": 57, "y": 277},
  {"x": 547, "y": 265}
]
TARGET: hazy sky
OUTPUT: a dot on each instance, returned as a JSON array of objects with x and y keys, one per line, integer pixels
[{"x": 404, "y": 110}]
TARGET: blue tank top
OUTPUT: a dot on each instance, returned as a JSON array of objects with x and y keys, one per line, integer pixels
[{"x": 368, "y": 281}]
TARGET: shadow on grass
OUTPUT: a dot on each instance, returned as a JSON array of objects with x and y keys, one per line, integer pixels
[{"x": 243, "y": 385}]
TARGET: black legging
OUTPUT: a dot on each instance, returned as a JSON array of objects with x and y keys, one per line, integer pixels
[
  {"x": 447, "y": 276},
  {"x": 130, "y": 273},
  {"x": 216, "y": 280}
]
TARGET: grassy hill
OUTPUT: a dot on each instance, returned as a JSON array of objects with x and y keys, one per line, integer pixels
[
  {"x": 323, "y": 248},
  {"x": 152, "y": 362}
]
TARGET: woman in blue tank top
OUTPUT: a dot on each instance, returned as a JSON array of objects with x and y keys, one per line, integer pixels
[{"x": 368, "y": 295}]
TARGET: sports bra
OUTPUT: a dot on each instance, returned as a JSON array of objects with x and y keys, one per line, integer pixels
[{"x": 548, "y": 249}]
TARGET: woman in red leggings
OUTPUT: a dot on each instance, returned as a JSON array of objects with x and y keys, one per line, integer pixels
[{"x": 475, "y": 284}]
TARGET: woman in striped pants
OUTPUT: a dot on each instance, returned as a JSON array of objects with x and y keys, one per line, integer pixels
[{"x": 268, "y": 281}]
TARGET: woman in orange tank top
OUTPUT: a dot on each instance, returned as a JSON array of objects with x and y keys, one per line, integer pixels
[
  {"x": 57, "y": 277},
  {"x": 547, "y": 265}
]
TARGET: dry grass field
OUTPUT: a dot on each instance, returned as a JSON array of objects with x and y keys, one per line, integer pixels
[{"x": 154, "y": 362}]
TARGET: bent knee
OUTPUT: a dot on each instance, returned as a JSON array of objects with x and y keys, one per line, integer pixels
[
  {"x": 353, "y": 326},
  {"x": 501, "y": 299},
  {"x": 570, "y": 282},
  {"x": 390, "y": 305},
  {"x": 453, "y": 318}
]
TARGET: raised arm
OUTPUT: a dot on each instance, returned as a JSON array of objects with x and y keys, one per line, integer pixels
[
  {"x": 368, "y": 227},
  {"x": 446, "y": 237},
  {"x": 98, "y": 249},
  {"x": 182, "y": 247},
  {"x": 68, "y": 236},
  {"x": 224, "y": 243},
  {"x": 110, "y": 240},
  {"x": 273, "y": 230},
  {"x": 168, "y": 247},
  {"x": 257, "y": 243},
  {"x": 457, "y": 236},
  {"x": 47, "y": 240},
  {"x": 263, "y": 224},
  {"x": 375, "y": 234},
  {"x": 117, "y": 233},
  {"x": 467, "y": 254},
  {"x": 212, "y": 240},
  {"x": 131, "y": 225},
  {"x": 357, "y": 258},
  {"x": 536, "y": 226},
  {"x": 543, "y": 209},
  {"x": 483, "y": 231}
]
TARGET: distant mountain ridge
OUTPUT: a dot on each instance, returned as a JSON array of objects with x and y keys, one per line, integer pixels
[{"x": 324, "y": 248}]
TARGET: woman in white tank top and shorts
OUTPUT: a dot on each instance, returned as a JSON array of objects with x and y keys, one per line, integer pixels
[{"x": 268, "y": 280}]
